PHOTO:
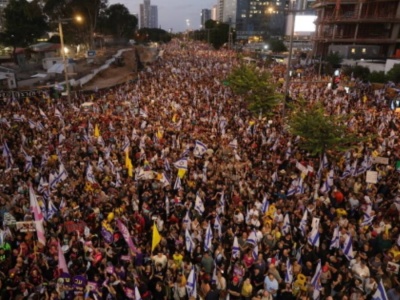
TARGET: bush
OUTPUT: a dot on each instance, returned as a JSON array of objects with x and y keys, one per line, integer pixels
[
  {"x": 394, "y": 74},
  {"x": 377, "y": 77}
]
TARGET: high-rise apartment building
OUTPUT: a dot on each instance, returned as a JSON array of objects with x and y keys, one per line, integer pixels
[
  {"x": 214, "y": 13},
  {"x": 357, "y": 22},
  {"x": 3, "y": 4},
  {"x": 148, "y": 15},
  {"x": 204, "y": 17}
]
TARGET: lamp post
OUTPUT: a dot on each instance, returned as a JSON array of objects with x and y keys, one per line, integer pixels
[{"x": 64, "y": 58}]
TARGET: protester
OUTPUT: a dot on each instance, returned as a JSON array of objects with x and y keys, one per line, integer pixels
[{"x": 167, "y": 187}]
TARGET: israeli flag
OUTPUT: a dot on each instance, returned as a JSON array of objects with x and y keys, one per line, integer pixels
[
  {"x": 286, "y": 225},
  {"x": 328, "y": 184},
  {"x": 254, "y": 252},
  {"x": 222, "y": 202},
  {"x": 303, "y": 223},
  {"x": 233, "y": 144},
  {"x": 288, "y": 153},
  {"x": 367, "y": 216},
  {"x": 51, "y": 209},
  {"x": 335, "y": 241},
  {"x": 293, "y": 187},
  {"x": 32, "y": 124},
  {"x": 178, "y": 183},
  {"x": 186, "y": 220},
  {"x": 62, "y": 173},
  {"x": 218, "y": 226},
  {"x": 325, "y": 162},
  {"x": 289, "y": 272},
  {"x": 199, "y": 149},
  {"x": 167, "y": 208},
  {"x": 348, "y": 248},
  {"x": 199, "y": 206},
  {"x": 208, "y": 239},
  {"x": 52, "y": 180},
  {"x": 100, "y": 164},
  {"x": 57, "y": 113},
  {"x": 167, "y": 167},
  {"x": 265, "y": 205},
  {"x": 380, "y": 293},
  {"x": 143, "y": 113},
  {"x": 191, "y": 287},
  {"x": 346, "y": 172},
  {"x": 353, "y": 168},
  {"x": 42, "y": 113},
  {"x": 189, "y": 242},
  {"x": 126, "y": 144},
  {"x": 315, "y": 281},
  {"x": 252, "y": 238},
  {"x": 89, "y": 174},
  {"x": 118, "y": 182},
  {"x": 274, "y": 177},
  {"x": 235, "y": 248},
  {"x": 181, "y": 163},
  {"x": 100, "y": 141},
  {"x": 313, "y": 238}
]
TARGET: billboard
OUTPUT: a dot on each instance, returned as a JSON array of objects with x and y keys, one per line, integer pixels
[{"x": 304, "y": 25}]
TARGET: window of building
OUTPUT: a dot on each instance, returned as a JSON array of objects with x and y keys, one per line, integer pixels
[
  {"x": 364, "y": 50},
  {"x": 353, "y": 50}
]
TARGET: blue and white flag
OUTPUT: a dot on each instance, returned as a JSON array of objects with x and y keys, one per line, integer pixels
[
  {"x": 7, "y": 154},
  {"x": 218, "y": 226},
  {"x": 222, "y": 202},
  {"x": 289, "y": 272},
  {"x": 325, "y": 162},
  {"x": 335, "y": 241},
  {"x": 167, "y": 205},
  {"x": 199, "y": 149},
  {"x": 315, "y": 281},
  {"x": 51, "y": 209},
  {"x": 252, "y": 238},
  {"x": 39, "y": 126},
  {"x": 118, "y": 181},
  {"x": 100, "y": 164},
  {"x": 313, "y": 238},
  {"x": 235, "y": 248},
  {"x": 380, "y": 293},
  {"x": 328, "y": 184},
  {"x": 353, "y": 168},
  {"x": 62, "y": 173},
  {"x": 346, "y": 172},
  {"x": 254, "y": 252},
  {"x": 57, "y": 113},
  {"x": 286, "y": 228},
  {"x": 208, "y": 239},
  {"x": 233, "y": 144},
  {"x": 167, "y": 167},
  {"x": 293, "y": 187},
  {"x": 32, "y": 124},
  {"x": 89, "y": 174},
  {"x": 288, "y": 153},
  {"x": 368, "y": 217},
  {"x": 303, "y": 223},
  {"x": 126, "y": 144},
  {"x": 100, "y": 141},
  {"x": 178, "y": 183},
  {"x": 189, "y": 242},
  {"x": 191, "y": 287},
  {"x": 53, "y": 180},
  {"x": 199, "y": 206},
  {"x": 181, "y": 163},
  {"x": 186, "y": 220},
  {"x": 42, "y": 113},
  {"x": 348, "y": 248},
  {"x": 274, "y": 177},
  {"x": 265, "y": 205}
]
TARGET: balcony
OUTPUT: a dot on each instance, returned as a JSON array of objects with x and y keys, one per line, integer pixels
[
  {"x": 371, "y": 39},
  {"x": 324, "y": 3},
  {"x": 349, "y": 17}
]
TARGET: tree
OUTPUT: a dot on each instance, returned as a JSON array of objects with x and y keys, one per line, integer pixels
[
  {"x": 24, "y": 22},
  {"x": 125, "y": 26},
  {"x": 217, "y": 33},
  {"x": 145, "y": 35},
  {"x": 255, "y": 86},
  {"x": 394, "y": 73},
  {"x": 359, "y": 72},
  {"x": 88, "y": 9},
  {"x": 277, "y": 46},
  {"x": 320, "y": 131},
  {"x": 377, "y": 77}
]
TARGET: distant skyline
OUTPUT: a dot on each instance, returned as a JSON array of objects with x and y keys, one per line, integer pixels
[{"x": 172, "y": 13}]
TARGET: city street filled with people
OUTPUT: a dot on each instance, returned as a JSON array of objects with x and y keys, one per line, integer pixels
[{"x": 168, "y": 187}]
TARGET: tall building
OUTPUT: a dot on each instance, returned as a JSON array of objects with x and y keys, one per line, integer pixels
[
  {"x": 204, "y": 17},
  {"x": 214, "y": 13},
  {"x": 148, "y": 15},
  {"x": 3, "y": 4},
  {"x": 357, "y": 22}
]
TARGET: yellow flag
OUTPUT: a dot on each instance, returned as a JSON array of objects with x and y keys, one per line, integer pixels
[
  {"x": 174, "y": 118},
  {"x": 130, "y": 169},
  {"x": 181, "y": 173},
  {"x": 127, "y": 159},
  {"x": 160, "y": 134},
  {"x": 96, "y": 131},
  {"x": 156, "y": 237}
]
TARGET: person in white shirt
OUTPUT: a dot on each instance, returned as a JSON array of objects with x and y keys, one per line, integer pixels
[{"x": 160, "y": 258}]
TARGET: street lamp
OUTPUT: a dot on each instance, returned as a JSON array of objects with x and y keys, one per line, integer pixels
[{"x": 63, "y": 52}]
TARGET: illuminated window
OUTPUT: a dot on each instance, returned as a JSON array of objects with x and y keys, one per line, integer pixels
[
  {"x": 353, "y": 50},
  {"x": 364, "y": 50}
]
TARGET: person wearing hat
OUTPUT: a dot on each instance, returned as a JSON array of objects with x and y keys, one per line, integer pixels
[{"x": 234, "y": 289}]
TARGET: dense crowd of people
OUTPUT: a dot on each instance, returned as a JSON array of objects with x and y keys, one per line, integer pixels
[{"x": 169, "y": 188}]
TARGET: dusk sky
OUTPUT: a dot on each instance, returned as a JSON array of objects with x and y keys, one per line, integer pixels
[{"x": 173, "y": 13}]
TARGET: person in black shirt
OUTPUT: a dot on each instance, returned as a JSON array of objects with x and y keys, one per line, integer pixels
[
  {"x": 159, "y": 292},
  {"x": 234, "y": 289}
]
